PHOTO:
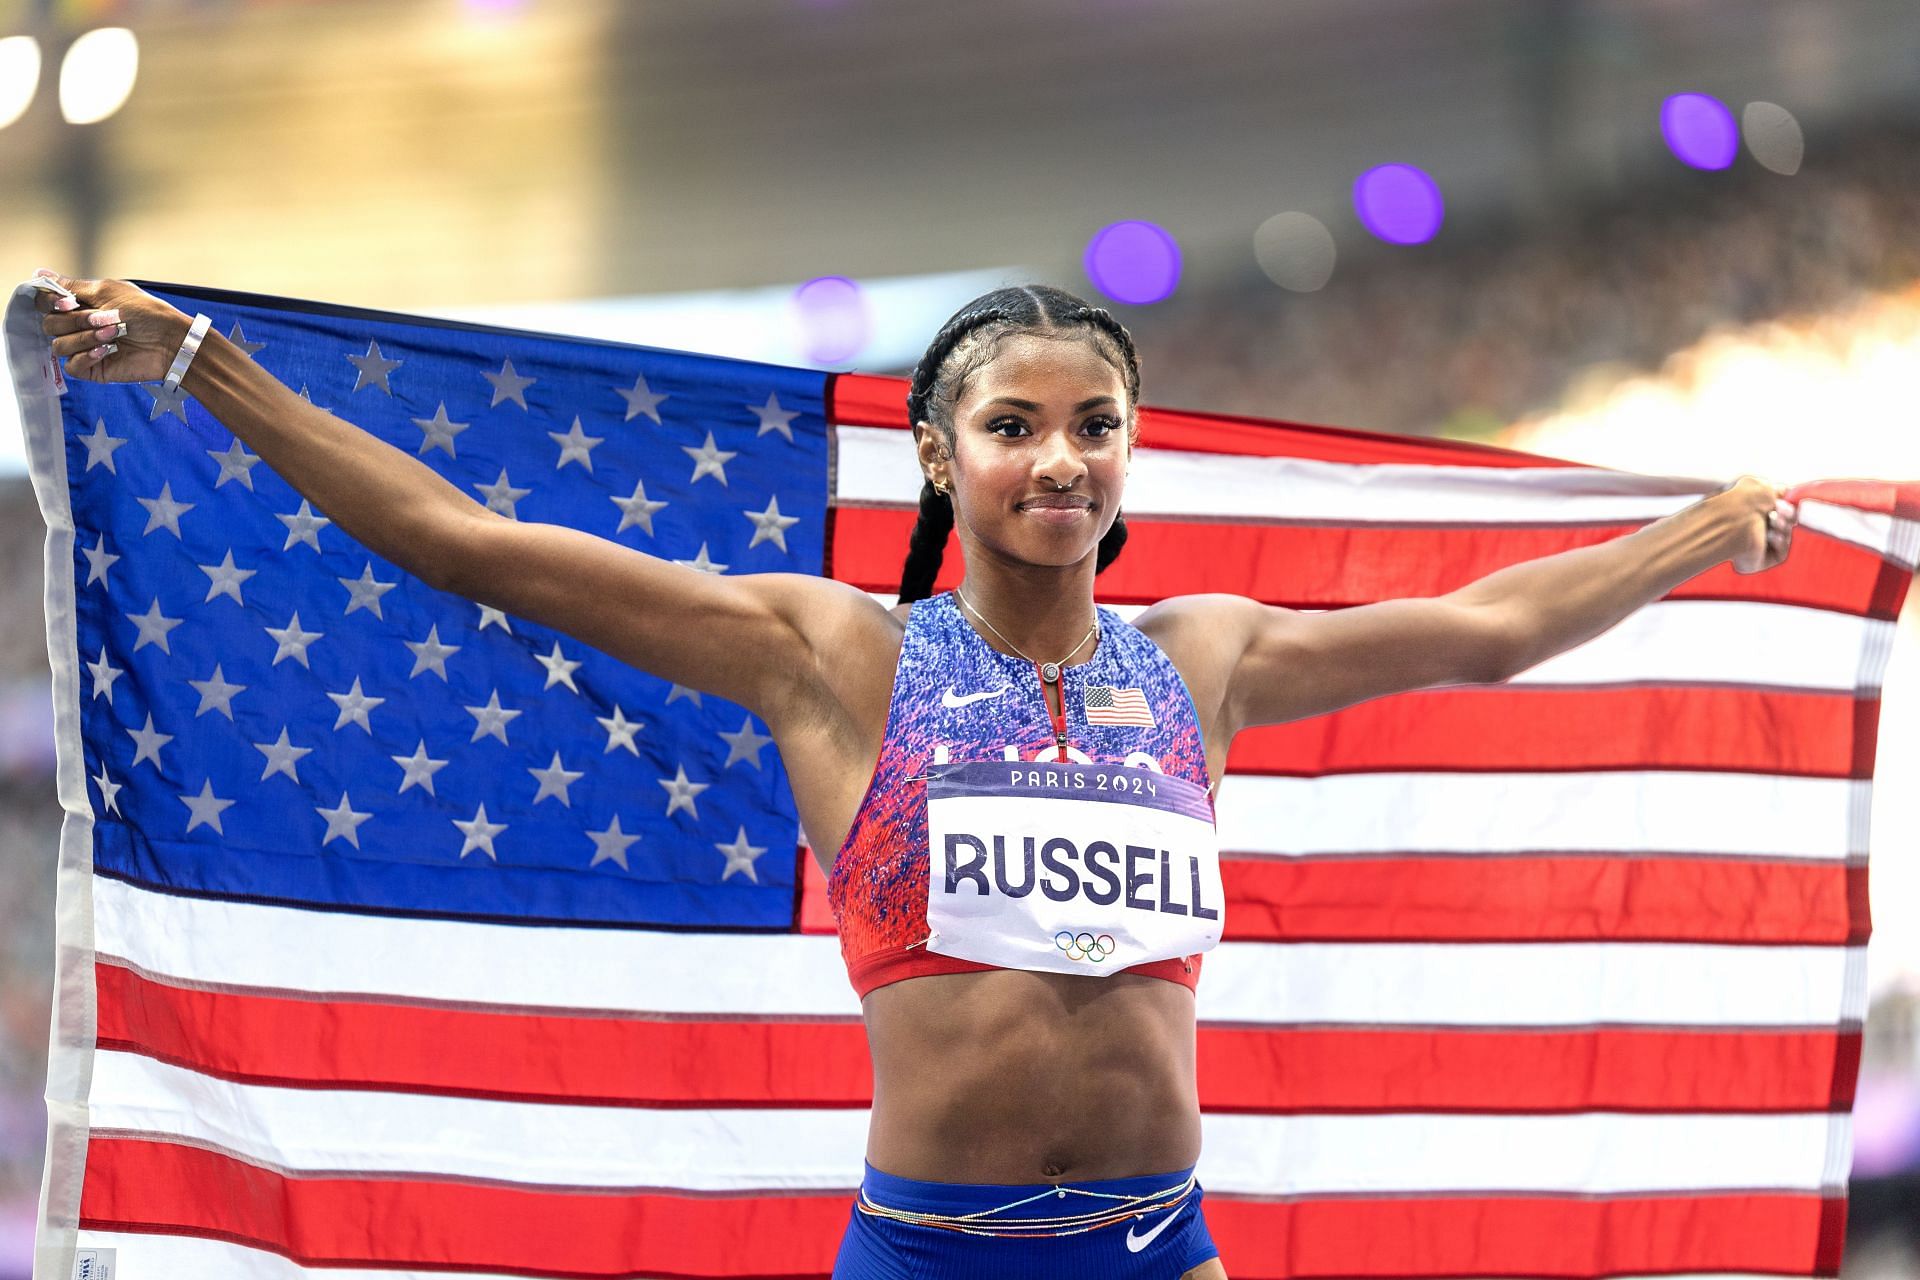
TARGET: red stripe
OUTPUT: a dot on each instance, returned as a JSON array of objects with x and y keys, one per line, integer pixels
[
  {"x": 864, "y": 400},
  {"x": 1331, "y": 566},
  {"x": 275, "y": 1040},
  {"x": 1517, "y": 728},
  {"x": 134, "y": 1185},
  {"x": 1527, "y": 898}
]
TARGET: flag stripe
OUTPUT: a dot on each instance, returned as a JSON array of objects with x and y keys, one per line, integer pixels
[
  {"x": 254, "y": 1037},
  {"x": 1555, "y": 984},
  {"x": 452, "y": 1226},
  {"x": 638, "y": 1149}
]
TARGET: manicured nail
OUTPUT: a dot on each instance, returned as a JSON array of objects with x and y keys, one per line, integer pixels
[
  {"x": 101, "y": 353},
  {"x": 65, "y": 304},
  {"x": 99, "y": 318},
  {"x": 45, "y": 271}
]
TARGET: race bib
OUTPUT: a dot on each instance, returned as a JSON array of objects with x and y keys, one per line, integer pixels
[{"x": 1069, "y": 868}]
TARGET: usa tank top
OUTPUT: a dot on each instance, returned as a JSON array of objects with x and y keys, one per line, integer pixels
[{"x": 956, "y": 699}]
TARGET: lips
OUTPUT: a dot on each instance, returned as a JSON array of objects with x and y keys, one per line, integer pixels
[{"x": 1058, "y": 500}]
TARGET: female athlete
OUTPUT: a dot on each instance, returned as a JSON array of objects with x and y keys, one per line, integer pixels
[{"x": 1025, "y": 939}]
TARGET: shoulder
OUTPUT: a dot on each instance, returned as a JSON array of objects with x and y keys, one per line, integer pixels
[{"x": 1205, "y": 637}]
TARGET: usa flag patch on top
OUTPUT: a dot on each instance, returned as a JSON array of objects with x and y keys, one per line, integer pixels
[{"x": 1105, "y": 704}]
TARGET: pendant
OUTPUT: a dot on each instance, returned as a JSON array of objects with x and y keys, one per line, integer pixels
[{"x": 1050, "y": 672}]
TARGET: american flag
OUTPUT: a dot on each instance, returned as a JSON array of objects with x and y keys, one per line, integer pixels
[
  {"x": 397, "y": 936},
  {"x": 1105, "y": 704}
]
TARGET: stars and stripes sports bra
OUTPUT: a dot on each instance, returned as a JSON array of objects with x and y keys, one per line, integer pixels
[{"x": 980, "y": 844}]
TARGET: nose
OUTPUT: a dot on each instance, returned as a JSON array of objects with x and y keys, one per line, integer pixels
[{"x": 1058, "y": 463}]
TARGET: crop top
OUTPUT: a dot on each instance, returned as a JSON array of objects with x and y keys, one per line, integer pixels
[{"x": 956, "y": 699}]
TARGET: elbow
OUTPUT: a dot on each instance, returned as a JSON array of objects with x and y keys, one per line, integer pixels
[{"x": 1505, "y": 648}]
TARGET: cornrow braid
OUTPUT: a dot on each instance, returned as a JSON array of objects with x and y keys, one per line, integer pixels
[{"x": 965, "y": 342}]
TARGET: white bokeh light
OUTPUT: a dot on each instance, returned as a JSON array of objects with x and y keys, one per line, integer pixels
[
  {"x": 19, "y": 76},
  {"x": 97, "y": 74}
]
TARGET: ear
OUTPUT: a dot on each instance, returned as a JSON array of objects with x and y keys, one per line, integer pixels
[{"x": 930, "y": 447}]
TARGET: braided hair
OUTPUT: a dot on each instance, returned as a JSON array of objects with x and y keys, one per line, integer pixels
[{"x": 969, "y": 340}]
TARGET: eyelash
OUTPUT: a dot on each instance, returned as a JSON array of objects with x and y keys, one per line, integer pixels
[{"x": 1111, "y": 424}]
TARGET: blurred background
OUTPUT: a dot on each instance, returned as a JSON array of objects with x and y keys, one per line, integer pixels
[{"x": 1674, "y": 236}]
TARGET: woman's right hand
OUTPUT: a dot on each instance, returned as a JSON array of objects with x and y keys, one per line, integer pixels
[{"x": 87, "y": 330}]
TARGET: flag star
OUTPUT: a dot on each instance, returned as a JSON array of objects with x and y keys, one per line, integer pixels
[
  {"x": 637, "y": 509},
  {"x": 154, "y": 627},
  {"x": 620, "y": 730},
  {"x": 479, "y": 833},
  {"x": 235, "y": 463},
  {"x": 206, "y": 808},
  {"x": 709, "y": 460},
  {"x": 163, "y": 512},
  {"x": 559, "y": 669},
  {"x": 611, "y": 845},
  {"x": 774, "y": 418},
  {"x": 439, "y": 431},
  {"x": 238, "y": 338},
  {"x": 293, "y": 641},
  {"x": 343, "y": 821},
  {"x": 575, "y": 445},
  {"x": 501, "y": 495},
  {"x": 740, "y": 856},
  {"x": 354, "y": 706},
  {"x": 105, "y": 673},
  {"x": 225, "y": 579},
  {"x": 100, "y": 446},
  {"x": 492, "y": 617},
  {"x": 420, "y": 769},
  {"x": 110, "y": 789},
  {"x": 147, "y": 743},
  {"x": 215, "y": 693},
  {"x": 373, "y": 368},
  {"x": 702, "y": 564},
  {"x": 302, "y": 526},
  {"x": 491, "y": 720},
  {"x": 681, "y": 793},
  {"x": 641, "y": 399},
  {"x": 430, "y": 654},
  {"x": 99, "y": 560},
  {"x": 554, "y": 781},
  {"x": 166, "y": 399},
  {"x": 744, "y": 745},
  {"x": 366, "y": 592},
  {"x": 680, "y": 691},
  {"x": 770, "y": 525},
  {"x": 508, "y": 385},
  {"x": 282, "y": 756}
]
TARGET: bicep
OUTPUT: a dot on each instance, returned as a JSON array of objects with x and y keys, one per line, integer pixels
[
  {"x": 1299, "y": 664},
  {"x": 749, "y": 638}
]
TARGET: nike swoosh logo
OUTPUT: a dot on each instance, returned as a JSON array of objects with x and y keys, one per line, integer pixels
[
  {"x": 950, "y": 699},
  {"x": 1136, "y": 1243}
]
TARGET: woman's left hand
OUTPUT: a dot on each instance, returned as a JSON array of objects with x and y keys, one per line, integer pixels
[{"x": 1768, "y": 520}]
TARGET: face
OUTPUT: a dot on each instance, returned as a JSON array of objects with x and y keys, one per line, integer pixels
[{"x": 1044, "y": 414}]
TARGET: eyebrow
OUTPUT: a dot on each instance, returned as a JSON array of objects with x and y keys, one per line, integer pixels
[{"x": 1031, "y": 406}]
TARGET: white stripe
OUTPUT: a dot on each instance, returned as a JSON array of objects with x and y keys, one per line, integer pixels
[
  {"x": 633, "y": 1148},
  {"x": 1710, "y": 814},
  {"x": 184, "y": 1256},
  {"x": 232, "y": 944},
  {"x": 876, "y": 466},
  {"x": 1706, "y": 642}
]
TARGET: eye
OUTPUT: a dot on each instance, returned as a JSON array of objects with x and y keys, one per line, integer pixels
[
  {"x": 1109, "y": 425},
  {"x": 994, "y": 426}
]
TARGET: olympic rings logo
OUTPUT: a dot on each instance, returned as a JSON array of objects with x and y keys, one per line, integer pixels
[{"x": 1084, "y": 946}]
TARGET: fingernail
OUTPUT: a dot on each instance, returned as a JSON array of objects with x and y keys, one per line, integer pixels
[
  {"x": 104, "y": 318},
  {"x": 101, "y": 353},
  {"x": 65, "y": 304},
  {"x": 45, "y": 271}
]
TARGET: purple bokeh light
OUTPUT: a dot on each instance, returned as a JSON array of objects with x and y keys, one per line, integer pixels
[
  {"x": 1699, "y": 130},
  {"x": 1398, "y": 203},
  {"x": 835, "y": 322},
  {"x": 1135, "y": 262}
]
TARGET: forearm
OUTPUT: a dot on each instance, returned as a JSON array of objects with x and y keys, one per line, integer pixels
[
  {"x": 393, "y": 504},
  {"x": 1559, "y": 601}
]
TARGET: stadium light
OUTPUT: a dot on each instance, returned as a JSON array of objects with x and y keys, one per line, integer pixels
[
  {"x": 19, "y": 76},
  {"x": 97, "y": 74}
]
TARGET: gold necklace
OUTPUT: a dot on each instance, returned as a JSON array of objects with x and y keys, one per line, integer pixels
[{"x": 1049, "y": 672}]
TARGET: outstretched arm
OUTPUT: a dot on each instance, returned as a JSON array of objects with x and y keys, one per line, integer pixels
[{"x": 1282, "y": 664}]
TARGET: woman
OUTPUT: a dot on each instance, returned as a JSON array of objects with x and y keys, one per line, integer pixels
[{"x": 1031, "y": 1024}]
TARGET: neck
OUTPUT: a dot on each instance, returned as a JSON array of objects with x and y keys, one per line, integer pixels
[{"x": 1043, "y": 610}]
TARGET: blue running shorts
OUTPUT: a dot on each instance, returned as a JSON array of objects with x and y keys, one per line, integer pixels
[{"x": 1159, "y": 1243}]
